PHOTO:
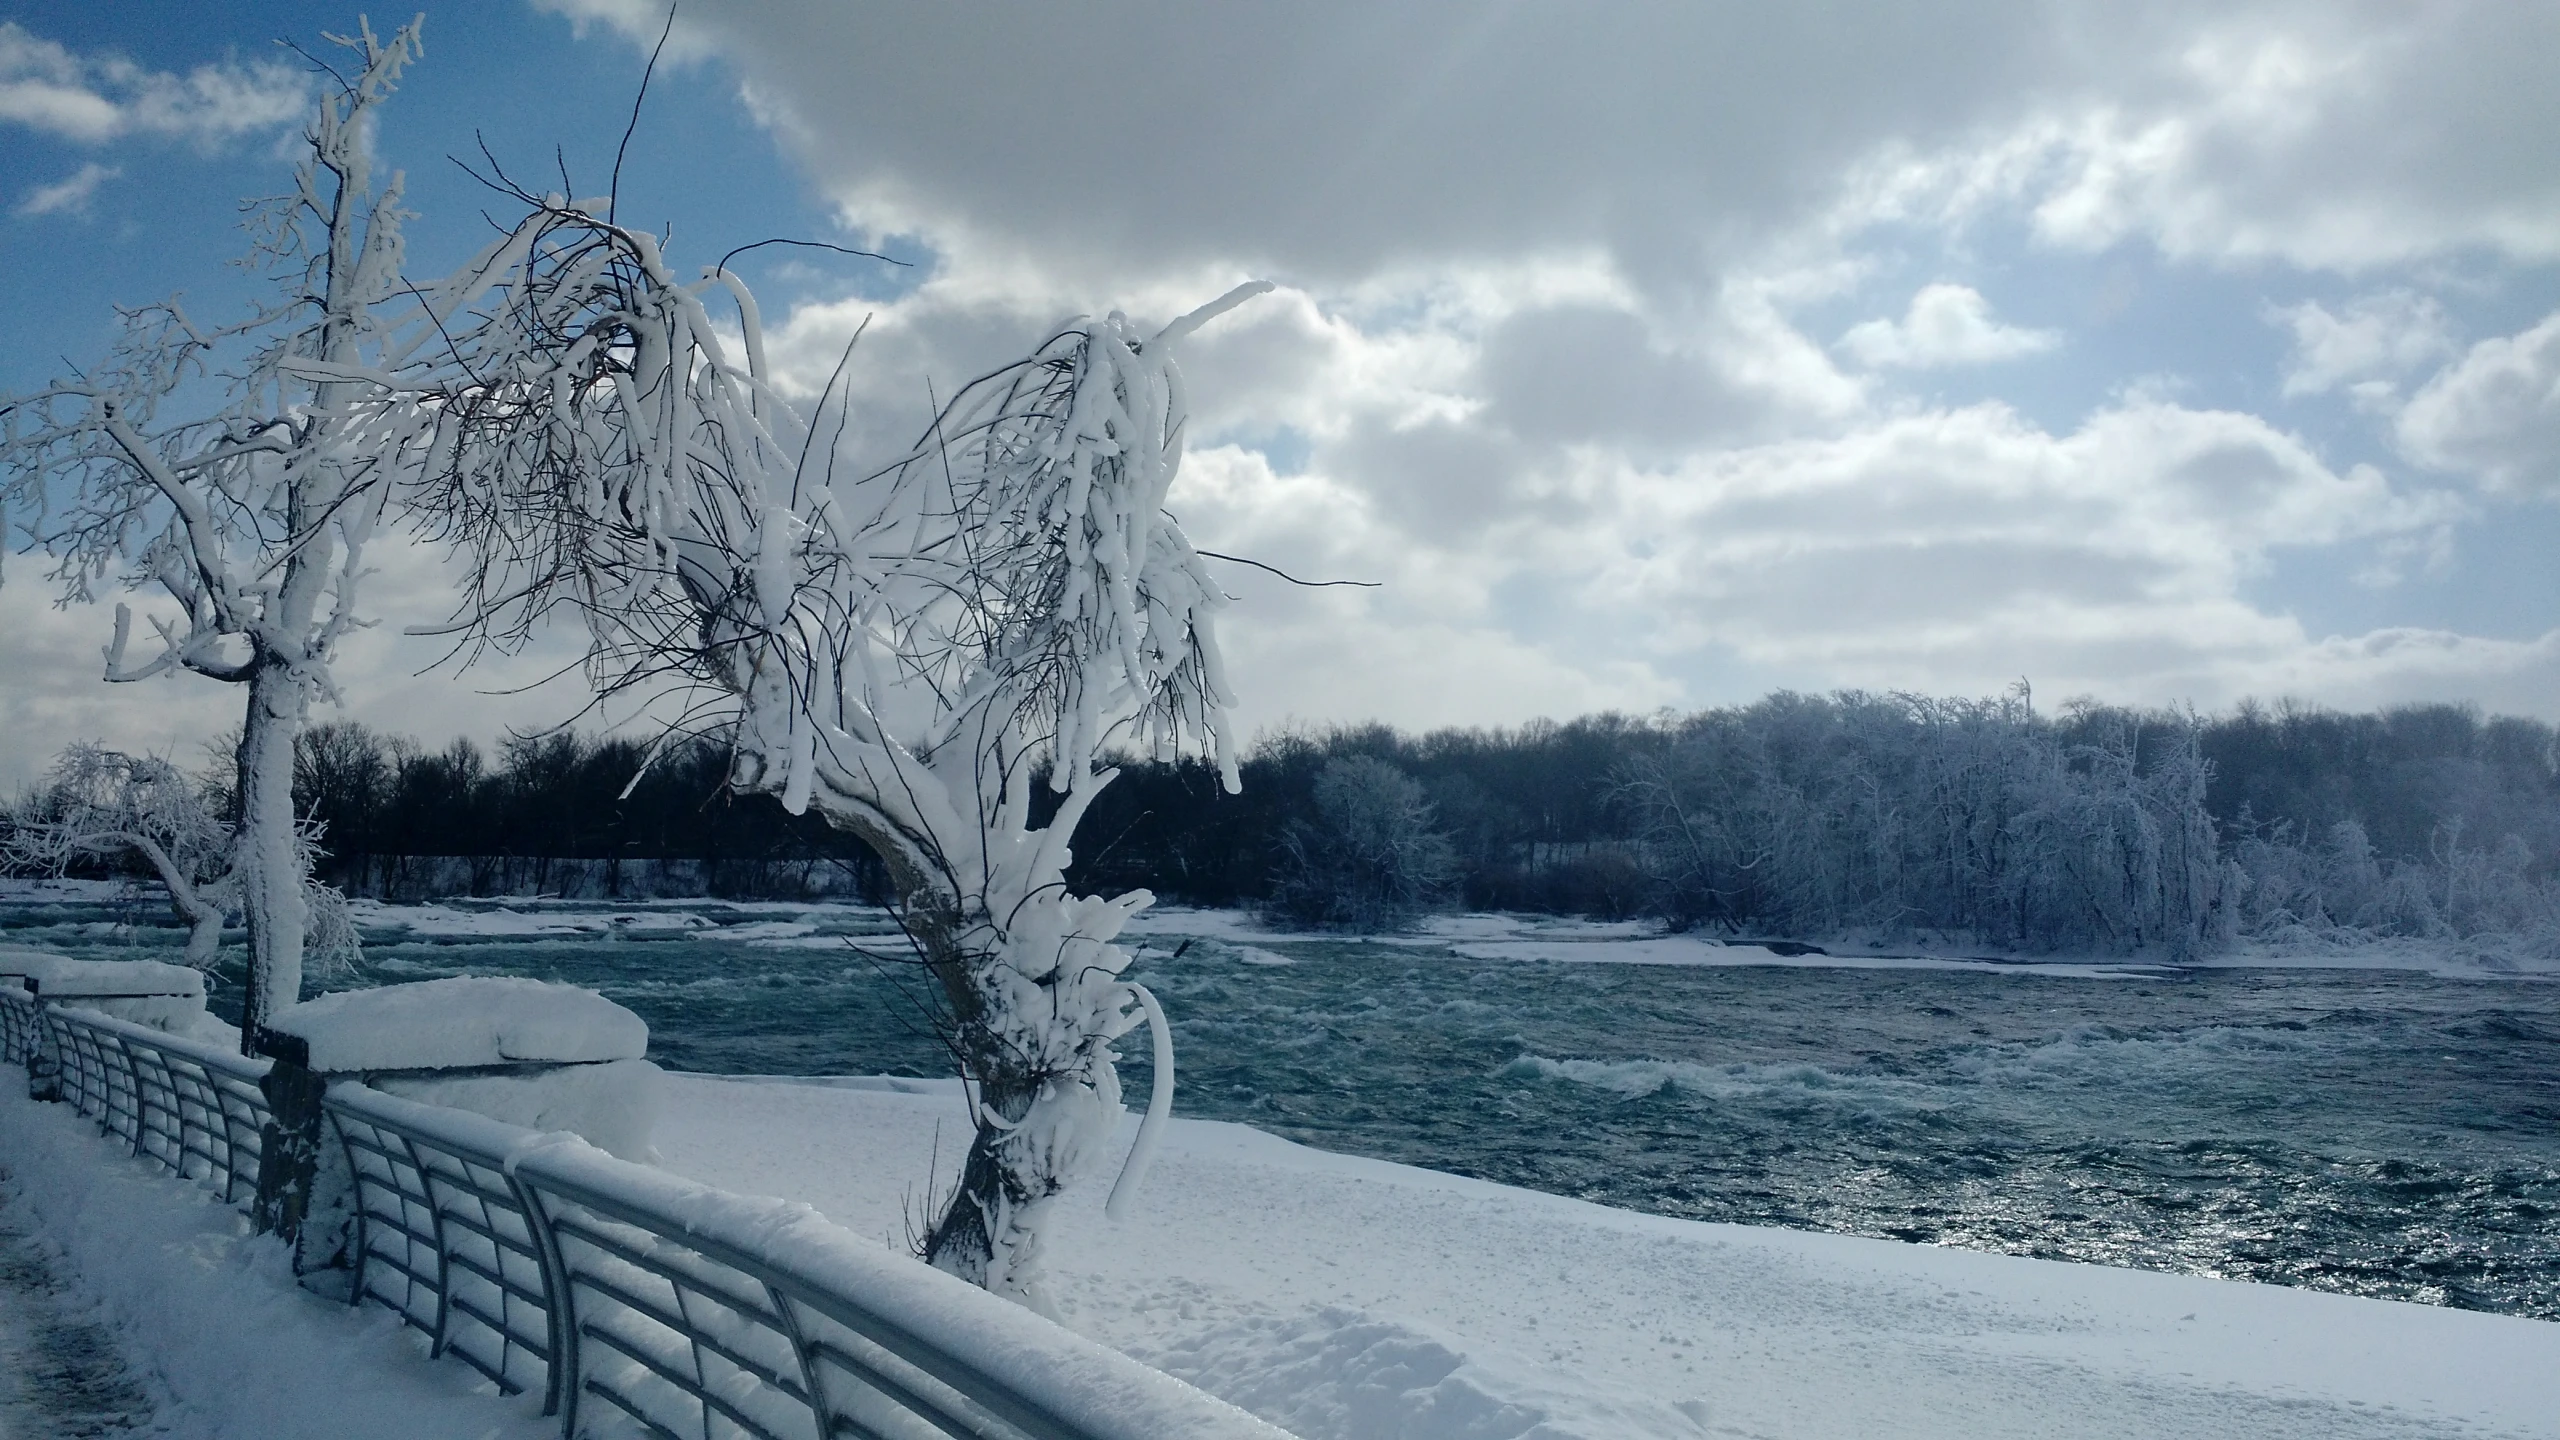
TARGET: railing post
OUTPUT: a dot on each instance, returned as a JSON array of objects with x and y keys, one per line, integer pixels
[
  {"x": 568, "y": 1362},
  {"x": 133, "y": 1078},
  {"x": 44, "y": 1057},
  {"x": 288, "y": 1144},
  {"x": 444, "y": 1247},
  {"x": 559, "y": 1331},
  {"x": 813, "y": 1376}
]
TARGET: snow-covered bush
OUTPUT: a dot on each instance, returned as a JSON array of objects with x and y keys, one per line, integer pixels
[
  {"x": 1370, "y": 859},
  {"x": 2338, "y": 891},
  {"x": 98, "y": 805},
  {"x": 1904, "y": 814}
]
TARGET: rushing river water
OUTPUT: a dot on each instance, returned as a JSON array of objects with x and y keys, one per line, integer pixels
[{"x": 2377, "y": 1132}]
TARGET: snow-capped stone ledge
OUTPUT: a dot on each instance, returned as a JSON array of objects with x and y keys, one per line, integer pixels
[
  {"x": 147, "y": 992},
  {"x": 462, "y": 1023},
  {"x": 58, "y": 977},
  {"x": 529, "y": 1052}
]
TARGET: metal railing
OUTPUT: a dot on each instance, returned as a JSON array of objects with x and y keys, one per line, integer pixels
[
  {"x": 634, "y": 1301},
  {"x": 640, "y": 1302},
  {"x": 20, "y": 1022},
  {"x": 446, "y": 1237},
  {"x": 193, "y": 1107}
]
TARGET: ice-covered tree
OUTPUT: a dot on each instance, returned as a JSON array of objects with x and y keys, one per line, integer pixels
[
  {"x": 1371, "y": 858},
  {"x": 231, "y": 468},
  {"x": 97, "y": 804},
  {"x": 1895, "y": 814},
  {"x": 903, "y": 649}
]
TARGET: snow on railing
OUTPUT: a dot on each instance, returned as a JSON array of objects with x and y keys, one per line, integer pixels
[
  {"x": 20, "y": 1022},
  {"x": 193, "y": 1107},
  {"x": 635, "y": 1301},
  {"x": 687, "y": 1310}
]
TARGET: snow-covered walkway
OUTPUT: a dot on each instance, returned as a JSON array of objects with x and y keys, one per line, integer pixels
[
  {"x": 62, "y": 1374},
  {"x": 220, "y": 1343}
]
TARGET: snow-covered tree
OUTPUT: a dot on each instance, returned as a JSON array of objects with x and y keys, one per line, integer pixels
[
  {"x": 231, "y": 468},
  {"x": 903, "y": 649},
  {"x": 1371, "y": 858},
  {"x": 96, "y": 804},
  {"x": 1896, "y": 814}
]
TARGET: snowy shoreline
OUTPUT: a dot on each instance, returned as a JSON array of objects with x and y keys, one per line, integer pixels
[{"x": 1344, "y": 1297}]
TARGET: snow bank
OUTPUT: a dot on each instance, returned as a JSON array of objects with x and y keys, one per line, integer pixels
[
  {"x": 213, "y": 1326},
  {"x": 529, "y": 1052},
  {"x": 463, "y": 1021},
  {"x": 613, "y": 1106},
  {"x": 1345, "y": 1298}
]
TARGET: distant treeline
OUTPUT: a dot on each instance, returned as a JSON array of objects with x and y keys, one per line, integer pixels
[
  {"x": 1981, "y": 821},
  {"x": 1854, "y": 814},
  {"x": 385, "y": 801},
  {"x": 1823, "y": 813}
]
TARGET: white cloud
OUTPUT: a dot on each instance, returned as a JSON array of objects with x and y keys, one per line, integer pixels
[
  {"x": 69, "y": 195},
  {"x": 2375, "y": 341},
  {"x": 55, "y": 694},
  {"x": 2494, "y": 413},
  {"x": 2343, "y": 138},
  {"x": 92, "y": 99},
  {"x": 1946, "y": 325},
  {"x": 1330, "y": 142},
  {"x": 1948, "y": 549},
  {"x": 2403, "y": 665},
  {"x": 1537, "y": 364}
]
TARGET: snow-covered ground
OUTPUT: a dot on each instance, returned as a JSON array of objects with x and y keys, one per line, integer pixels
[
  {"x": 1344, "y": 1297},
  {"x": 61, "y": 1373},
  {"x": 1353, "y": 1298},
  {"x": 214, "y": 1334}
]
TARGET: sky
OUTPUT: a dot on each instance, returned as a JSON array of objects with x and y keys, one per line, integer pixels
[{"x": 1644, "y": 355}]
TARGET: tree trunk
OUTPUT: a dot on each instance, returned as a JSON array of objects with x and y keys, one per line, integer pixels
[
  {"x": 989, "y": 1211},
  {"x": 201, "y": 913},
  {"x": 271, "y": 899},
  {"x": 992, "y": 1205},
  {"x": 204, "y": 939}
]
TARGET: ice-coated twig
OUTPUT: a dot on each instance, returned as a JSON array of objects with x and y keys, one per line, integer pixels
[{"x": 1133, "y": 1171}]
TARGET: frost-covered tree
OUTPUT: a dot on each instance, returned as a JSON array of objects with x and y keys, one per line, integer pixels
[
  {"x": 1371, "y": 858},
  {"x": 96, "y": 804},
  {"x": 1895, "y": 814},
  {"x": 231, "y": 468},
  {"x": 902, "y": 649}
]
